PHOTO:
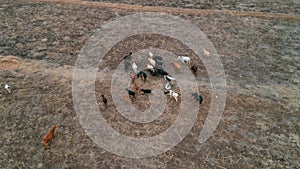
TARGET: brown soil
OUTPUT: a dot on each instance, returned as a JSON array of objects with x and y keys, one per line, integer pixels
[
  {"x": 141, "y": 8},
  {"x": 9, "y": 62}
]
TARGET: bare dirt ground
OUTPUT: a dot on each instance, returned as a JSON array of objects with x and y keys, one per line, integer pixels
[
  {"x": 260, "y": 125},
  {"x": 275, "y": 6}
]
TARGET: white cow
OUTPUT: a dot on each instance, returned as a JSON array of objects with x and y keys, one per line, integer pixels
[
  {"x": 151, "y": 54},
  {"x": 134, "y": 68},
  {"x": 184, "y": 59},
  {"x": 7, "y": 87},
  {"x": 150, "y": 67},
  {"x": 174, "y": 95},
  {"x": 169, "y": 78},
  {"x": 152, "y": 61},
  {"x": 168, "y": 86}
]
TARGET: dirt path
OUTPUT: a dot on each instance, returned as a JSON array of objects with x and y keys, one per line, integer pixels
[{"x": 141, "y": 8}]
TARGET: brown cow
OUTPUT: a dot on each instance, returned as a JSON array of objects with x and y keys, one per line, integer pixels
[
  {"x": 176, "y": 65},
  {"x": 49, "y": 136}
]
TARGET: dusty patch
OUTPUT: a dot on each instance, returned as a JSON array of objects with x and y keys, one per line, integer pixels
[{"x": 9, "y": 62}]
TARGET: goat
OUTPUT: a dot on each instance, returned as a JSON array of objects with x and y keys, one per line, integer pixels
[
  {"x": 169, "y": 78},
  {"x": 158, "y": 58},
  {"x": 151, "y": 54},
  {"x": 134, "y": 68},
  {"x": 206, "y": 52},
  {"x": 131, "y": 93},
  {"x": 7, "y": 87},
  {"x": 168, "y": 86},
  {"x": 104, "y": 99},
  {"x": 152, "y": 61},
  {"x": 146, "y": 91},
  {"x": 142, "y": 75},
  {"x": 176, "y": 65},
  {"x": 174, "y": 95},
  {"x": 127, "y": 57},
  {"x": 49, "y": 136},
  {"x": 194, "y": 69},
  {"x": 184, "y": 59},
  {"x": 149, "y": 67},
  {"x": 159, "y": 61},
  {"x": 161, "y": 72},
  {"x": 198, "y": 97},
  {"x": 137, "y": 88},
  {"x": 153, "y": 72},
  {"x": 166, "y": 92},
  {"x": 126, "y": 64}
]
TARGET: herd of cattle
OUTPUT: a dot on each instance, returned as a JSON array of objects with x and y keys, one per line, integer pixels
[{"x": 155, "y": 68}]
